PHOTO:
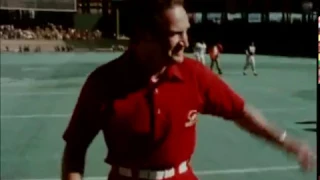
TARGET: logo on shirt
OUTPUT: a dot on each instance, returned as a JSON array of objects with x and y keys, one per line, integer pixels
[{"x": 192, "y": 118}]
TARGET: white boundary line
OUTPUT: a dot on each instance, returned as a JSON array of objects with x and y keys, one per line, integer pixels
[
  {"x": 40, "y": 93},
  {"x": 33, "y": 116},
  {"x": 207, "y": 172},
  {"x": 246, "y": 170}
]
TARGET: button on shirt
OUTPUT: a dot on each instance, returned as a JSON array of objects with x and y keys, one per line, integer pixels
[{"x": 149, "y": 124}]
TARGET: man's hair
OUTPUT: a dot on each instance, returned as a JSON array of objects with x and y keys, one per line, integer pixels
[{"x": 145, "y": 15}]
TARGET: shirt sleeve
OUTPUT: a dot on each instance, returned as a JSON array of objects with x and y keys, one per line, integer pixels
[
  {"x": 84, "y": 124},
  {"x": 218, "y": 97}
]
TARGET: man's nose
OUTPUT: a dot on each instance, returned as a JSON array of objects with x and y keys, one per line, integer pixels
[{"x": 184, "y": 40}]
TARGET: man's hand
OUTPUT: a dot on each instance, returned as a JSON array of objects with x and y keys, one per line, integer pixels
[
  {"x": 73, "y": 163},
  {"x": 254, "y": 123},
  {"x": 303, "y": 153}
]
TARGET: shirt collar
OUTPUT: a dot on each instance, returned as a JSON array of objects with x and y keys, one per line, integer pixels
[{"x": 173, "y": 71}]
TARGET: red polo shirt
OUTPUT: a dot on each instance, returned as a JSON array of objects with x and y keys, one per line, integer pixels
[{"x": 149, "y": 125}]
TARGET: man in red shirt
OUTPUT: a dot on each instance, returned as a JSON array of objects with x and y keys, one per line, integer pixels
[{"x": 146, "y": 104}]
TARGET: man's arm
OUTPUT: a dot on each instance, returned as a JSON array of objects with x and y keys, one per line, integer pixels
[
  {"x": 255, "y": 123},
  {"x": 83, "y": 127},
  {"x": 220, "y": 100},
  {"x": 73, "y": 162}
]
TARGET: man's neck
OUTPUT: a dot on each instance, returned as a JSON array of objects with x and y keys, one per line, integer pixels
[
  {"x": 151, "y": 65},
  {"x": 153, "y": 69}
]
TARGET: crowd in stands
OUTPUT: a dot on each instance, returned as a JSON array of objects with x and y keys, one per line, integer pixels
[
  {"x": 48, "y": 32},
  {"x": 52, "y": 33}
]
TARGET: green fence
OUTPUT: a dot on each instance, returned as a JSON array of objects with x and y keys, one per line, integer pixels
[{"x": 96, "y": 44}]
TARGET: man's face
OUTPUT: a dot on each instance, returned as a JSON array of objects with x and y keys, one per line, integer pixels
[
  {"x": 177, "y": 25},
  {"x": 174, "y": 38},
  {"x": 167, "y": 44}
]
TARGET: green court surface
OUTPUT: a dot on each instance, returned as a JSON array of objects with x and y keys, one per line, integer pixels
[{"x": 39, "y": 91}]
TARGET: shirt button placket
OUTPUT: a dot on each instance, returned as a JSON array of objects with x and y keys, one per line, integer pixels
[
  {"x": 156, "y": 110},
  {"x": 156, "y": 91}
]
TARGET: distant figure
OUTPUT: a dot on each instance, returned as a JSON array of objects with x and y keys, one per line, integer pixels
[
  {"x": 20, "y": 49},
  {"x": 200, "y": 51},
  {"x": 250, "y": 59},
  {"x": 37, "y": 49},
  {"x": 26, "y": 48},
  {"x": 214, "y": 53}
]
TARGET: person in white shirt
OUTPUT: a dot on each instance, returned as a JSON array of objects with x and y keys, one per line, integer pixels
[
  {"x": 200, "y": 51},
  {"x": 250, "y": 59}
]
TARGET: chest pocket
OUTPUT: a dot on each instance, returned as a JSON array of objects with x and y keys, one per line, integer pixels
[{"x": 184, "y": 102}]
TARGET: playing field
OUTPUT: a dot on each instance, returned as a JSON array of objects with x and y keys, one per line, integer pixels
[{"x": 38, "y": 93}]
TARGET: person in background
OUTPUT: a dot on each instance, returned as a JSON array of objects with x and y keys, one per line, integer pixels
[
  {"x": 200, "y": 49},
  {"x": 214, "y": 53},
  {"x": 250, "y": 59}
]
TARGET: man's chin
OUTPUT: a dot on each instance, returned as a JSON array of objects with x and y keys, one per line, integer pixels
[{"x": 178, "y": 58}]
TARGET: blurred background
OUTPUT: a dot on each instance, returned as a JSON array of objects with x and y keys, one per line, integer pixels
[
  {"x": 39, "y": 90},
  {"x": 281, "y": 27}
]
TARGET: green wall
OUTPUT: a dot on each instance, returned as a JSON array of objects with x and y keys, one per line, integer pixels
[{"x": 86, "y": 21}]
